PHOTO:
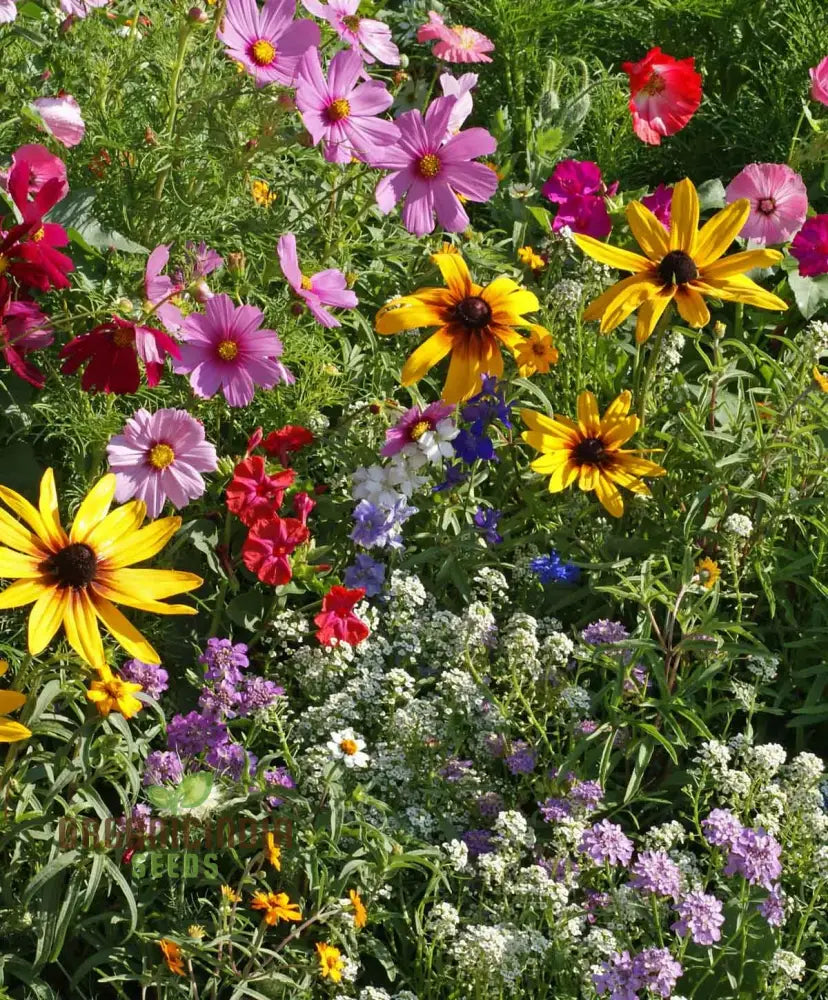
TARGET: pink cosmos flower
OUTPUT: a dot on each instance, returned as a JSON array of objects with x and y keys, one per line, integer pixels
[
  {"x": 370, "y": 38},
  {"x": 42, "y": 167},
  {"x": 267, "y": 42},
  {"x": 461, "y": 88},
  {"x": 455, "y": 44},
  {"x": 432, "y": 173},
  {"x": 664, "y": 94},
  {"x": 819, "y": 81},
  {"x": 429, "y": 430},
  {"x": 659, "y": 203},
  {"x": 8, "y": 11},
  {"x": 23, "y": 329},
  {"x": 159, "y": 288},
  {"x": 80, "y": 8},
  {"x": 342, "y": 112},
  {"x": 62, "y": 117},
  {"x": 778, "y": 201},
  {"x": 160, "y": 456},
  {"x": 327, "y": 288},
  {"x": 810, "y": 247}
]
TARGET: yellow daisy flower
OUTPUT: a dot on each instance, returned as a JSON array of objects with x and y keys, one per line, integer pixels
[
  {"x": 230, "y": 894},
  {"x": 537, "y": 353},
  {"x": 820, "y": 379},
  {"x": 273, "y": 852},
  {"x": 10, "y": 701},
  {"x": 74, "y": 578},
  {"x": 472, "y": 322},
  {"x": 262, "y": 194},
  {"x": 277, "y": 906},
  {"x": 589, "y": 451},
  {"x": 331, "y": 961},
  {"x": 708, "y": 573},
  {"x": 111, "y": 694},
  {"x": 360, "y": 913},
  {"x": 683, "y": 264}
]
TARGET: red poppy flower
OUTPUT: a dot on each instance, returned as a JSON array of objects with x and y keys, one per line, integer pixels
[
  {"x": 267, "y": 547},
  {"x": 287, "y": 440},
  {"x": 337, "y": 620},
  {"x": 664, "y": 94},
  {"x": 112, "y": 350},
  {"x": 254, "y": 495}
]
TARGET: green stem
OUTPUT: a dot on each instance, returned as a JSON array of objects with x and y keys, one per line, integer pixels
[
  {"x": 799, "y": 122},
  {"x": 655, "y": 351},
  {"x": 183, "y": 40},
  {"x": 739, "y": 321},
  {"x": 225, "y": 583}
]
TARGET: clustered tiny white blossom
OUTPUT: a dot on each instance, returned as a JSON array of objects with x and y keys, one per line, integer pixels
[
  {"x": 477, "y": 626},
  {"x": 443, "y": 920},
  {"x": 566, "y": 296},
  {"x": 786, "y": 967},
  {"x": 512, "y": 831},
  {"x": 745, "y": 694},
  {"x": 556, "y": 650},
  {"x": 577, "y": 700},
  {"x": 713, "y": 755},
  {"x": 764, "y": 667},
  {"x": 371, "y": 993},
  {"x": 422, "y": 822},
  {"x": 457, "y": 855},
  {"x": 493, "y": 870},
  {"x": 518, "y": 645},
  {"x": 317, "y": 422},
  {"x": 497, "y": 953},
  {"x": 666, "y": 836},
  {"x": 533, "y": 883},
  {"x": 491, "y": 585},
  {"x": 739, "y": 525}
]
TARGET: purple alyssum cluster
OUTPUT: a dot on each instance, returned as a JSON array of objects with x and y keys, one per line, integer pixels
[
  {"x": 152, "y": 678},
  {"x": 624, "y": 976}
]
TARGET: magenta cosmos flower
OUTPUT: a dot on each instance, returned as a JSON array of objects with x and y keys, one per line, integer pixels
[
  {"x": 342, "y": 112},
  {"x": 160, "y": 289},
  {"x": 80, "y": 8},
  {"x": 455, "y": 44},
  {"x": 432, "y": 173},
  {"x": 62, "y": 117},
  {"x": 226, "y": 349},
  {"x": 42, "y": 170},
  {"x": 160, "y": 456},
  {"x": 267, "y": 42},
  {"x": 23, "y": 329},
  {"x": 819, "y": 81},
  {"x": 327, "y": 288},
  {"x": 429, "y": 431},
  {"x": 370, "y": 38},
  {"x": 778, "y": 201},
  {"x": 810, "y": 247}
]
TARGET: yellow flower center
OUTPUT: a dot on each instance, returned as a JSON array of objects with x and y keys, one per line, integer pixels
[
  {"x": 4, "y": 263},
  {"x": 351, "y": 22},
  {"x": 465, "y": 36},
  {"x": 38, "y": 235},
  {"x": 160, "y": 456},
  {"x": 262, "y": 52},
  {"x": 227, "y": 350},
  {"x": 306, "y": 283},
  {"x": 123, "y": 338},
  {"x": 338, "y": 109},
  {"x": 655, "y": 85},
  {"x": 429, "y": 165},
  {"x": 419, "y": 429},
  {"x": 348, "y": 747}
]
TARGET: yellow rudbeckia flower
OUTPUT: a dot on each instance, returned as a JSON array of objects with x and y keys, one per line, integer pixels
[
  {"x": 589, "y": 451},
  {"x": 76, "y": 578},
  {"x": 683, "y": 265},
  {"x": 472, "y": 322},
  {"x": 10, "y": 701}
]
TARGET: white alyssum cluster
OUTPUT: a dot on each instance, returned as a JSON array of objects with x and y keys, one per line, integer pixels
[
  {"x": 443, "y": 920},
  {"x": 512, "y": 832},
  {"x": 457, "y": 855},
  {"x": 497, "y": 953},
  {"x": 665, "y": 837},
  {"x": 764, "y": 668},
  {"x": 533, "y": 885},
  {"x": 577, "y": 700},
  {"x": 739, "y": 525},
  {"x": 566, "y": 296},
  {"x": 786, "y": 967}
]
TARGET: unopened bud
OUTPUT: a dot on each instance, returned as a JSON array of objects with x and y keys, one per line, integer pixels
[
  {"x": 200, "y": 291},
  {"x": 124, "y": 305},
  {"x": 251, "y": 144},
  {"x": 351, "y": 278},
  {"x": 197, "y": 15},
  {"x": 150, "y": 138},
  {"x": 297, "y": 309},
  {"x": 719, "y": 329},
  {"x": 286, "y": 102},
  {"x": 236, "y": 262},
  {"x": 66, "y": 24}
]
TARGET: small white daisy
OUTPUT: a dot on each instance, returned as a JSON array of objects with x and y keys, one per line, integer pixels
[{"x": 347, "y": 746}]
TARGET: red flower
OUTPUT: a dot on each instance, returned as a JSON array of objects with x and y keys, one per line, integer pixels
[
  {"x": 268, "y": 545},
  {"x": 664, "y": 94},
  {"x": 36, "y": 181},
  {"x": 253, "y": 442},
  {"x": 287, "y": 440},
  {"x": 112, "y": 350},
  {"x": 23, "y": 329},
  {"x": 337, "y": 620},
  {"x": 252, "y": 494},
  {"x": 27, "y": 251}
]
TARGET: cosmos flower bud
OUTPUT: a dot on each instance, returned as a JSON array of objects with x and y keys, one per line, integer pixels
[
  {"x": 197, "y": 15},
  {"x": 236, "y": 262}
]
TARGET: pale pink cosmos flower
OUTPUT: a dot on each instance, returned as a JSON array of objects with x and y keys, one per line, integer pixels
[
  {"x": 327, "y": 288},
  {"x": 778, "y": 201},
  {"x": 819, "y": 81},
  {"x": 461, "y": 88},
  {"x": 8, "y": 11},
  {"x": 370, "y": 38},
  {"x": 339, "y": 111},
  {"x": 80, "y": 8},
  {"x": 62, "y": 117},
  {"x": 226, "y": 349},
  {"x": 431, "y": 172},
  {"x": 159, "y": 288},
  {"x": 160, "y": 456},
  {"x": 455, "y": 44},
  {"x": 267, "y": 42}
]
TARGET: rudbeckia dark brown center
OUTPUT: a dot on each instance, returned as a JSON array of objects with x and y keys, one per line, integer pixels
[
  {"x": 74, "y": 566},
  {"x": 677, "y": 268},
  {"x": 473, "y": 311},
  {"x": 590, "y": 451}
]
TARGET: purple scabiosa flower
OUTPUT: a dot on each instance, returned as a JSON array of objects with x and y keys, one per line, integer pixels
[
  {"x": 478, "y": 842},
  {"x": 522, "y": 759},
  {"x": 232, "y": 760},
  {"x": 152, "y": 678},
  {"x": 486, "y": 520},
  {"x": 554, "y": 810},
  {"x": 278, "y": 777},
  {"x": 193, "y": 733},
  {"x": 773, "y": 908},
  {"x": 700, "y": 916},
  {"x": 587, "y": 794},
  {"x": 495, "y": 744},
  {"x": 162, "y": 767},
  {"x": 656, "y": 970},
  {"x": 552, "y": 569},
  {"x": 429, "y": 431},
  {"x": 604, "y": 632},
  {"x": 616, "y": 977},
  {"x": 721, "y": 828},
  {"x": 655, "y": 872},
  {"x": 490, "y": 804},
  {"x": 454, "y": 477},
  {"x": 455, "y": 769},
  {"x": 268, "y": 42},
  {"x": 224, "y": 660},
  {"x": 257, "y": 694},
  {"x": 606, "y": 841},
  {"x": 366, "y": 573},
  {"x": 755, "y": 855}
]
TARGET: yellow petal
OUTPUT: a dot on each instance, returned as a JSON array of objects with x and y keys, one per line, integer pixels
[
  {"x": 546, "y": 465},
  {"x": 117, "y": 523},
  {"x": 718, "y": 233},
  {"x": 455, "y": 273},
  {"x": 153, "y": 584},
  {"x": 738, "y": 263},
  {"x": 17, "y": 565},
  {"x": 508, "y": 301},
  {"x": 49, "y": 511},
  {"x": 629, "y": 482},
  {"x": 430, "y": 353},
  {"x": 588, "y": 478},
  {"x": 45, "y": 618},
  {"x": 549, "y": 445},
  {"x": 13, "y": 534},
  {"x": 93, "y": 508},
  {"x": 651, "y": 312},
  {"x": 609, "y": 496},
  {"x": 547, "y": 425},
  {"x": 741, "y": 289},
  {"x": 408, "y": 313},
  {"x": 624, "y": 260},
  {"x": 471, "y": 358},
  {"x": 564, "y": 476},
  {"x": 142, "y": 544},
  {"x": 81, "y": 629},
  {"x": 619, "y": 432},
  {"x": 589, "y": 420},
  {"x": 23, "y": 592},
  {"x": 109, "y": 592},
  {"x": 691, "y": 306},
  {"x": 10, "y": 701},
  {"x": 617, "y": 410},
  {"x": 649, "y": 233},
  {"x": 24, "y": 510},
  {"x": 12, "y": 732},
  {"x": 636, "y": 465},
  {"x": 125, "y": 633},
  {"x": 684, "y": 217},
  {"x": 622, "y": 299}
]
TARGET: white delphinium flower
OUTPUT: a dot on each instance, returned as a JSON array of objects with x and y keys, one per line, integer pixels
[
  {"x": 346, "y": 746},
  {"x": 443, "y": 920},
  {"x": 436, "y": 444},
  {"x": 739, "y": 525},
  {"x": 373, "y": 483},
  {"x": 457, "y": 855},
  {"x": 401, "y": 473}
]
